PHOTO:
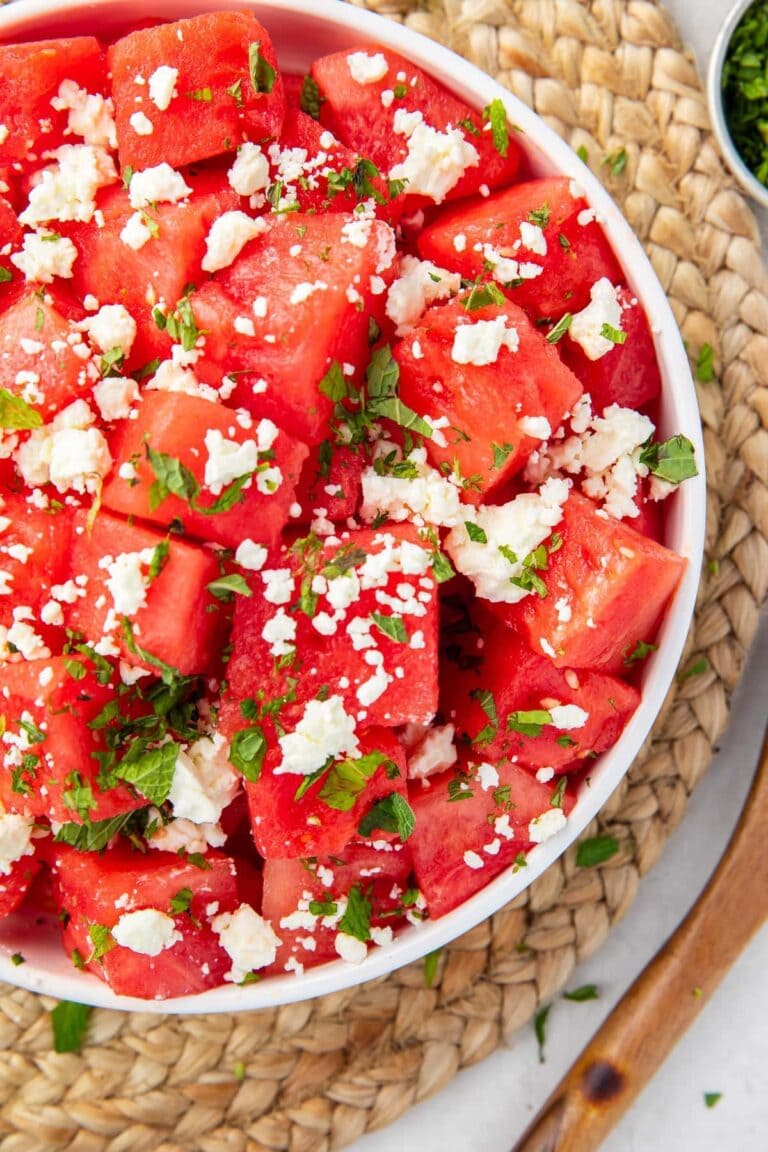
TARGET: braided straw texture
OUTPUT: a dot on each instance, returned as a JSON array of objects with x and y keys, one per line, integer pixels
[{"x": 605, "y": 74}]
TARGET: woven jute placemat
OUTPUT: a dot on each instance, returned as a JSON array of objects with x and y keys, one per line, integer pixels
[{"x": 313, "y": 1077}]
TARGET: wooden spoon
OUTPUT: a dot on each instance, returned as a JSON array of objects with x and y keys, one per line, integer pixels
[{"x": 667, "y": 996}]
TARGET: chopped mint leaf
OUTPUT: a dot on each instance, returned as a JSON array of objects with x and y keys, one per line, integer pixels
[
  {"x": 70, "y": 1024},
  {"x": 225, "y": 587},
  {"x": 475, "y": 532},
  {"x": 641, "y": 651},
  {"x": 540, "y": 1029},
  {"x": 347, "y": 779},
  {"x": 672, "y": 460},
  {"x": 16, "y": 414},
  {"x": 580, "y": 995},
  {"x": 391, "y": 626},
  {"x": 431, "y": 962},
  {"x": 261, "y": 72},
  {"x": 496, "y": 114},
  {"x": 560, "y": 328},
  {"x": 310, "y": 98},
  {"x": 392, "y": 814},
  {"x": 529, "y": 723},
  {"x": 596, "y": 850},
  {"x": 247, "y": 752},
  {"x": 356, "y": 920}
]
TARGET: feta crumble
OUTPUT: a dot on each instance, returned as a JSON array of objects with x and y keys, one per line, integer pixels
[
  {"x": 148, "y": 931},
  {"x": 248, "y": 940},
  {"x": 520, "y": 526},
  {"x": 365, "y": 69},
  {"x": 324, "y": 730}
]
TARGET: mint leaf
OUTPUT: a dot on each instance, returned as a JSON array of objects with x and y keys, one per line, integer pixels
[
  {"x": 529, "y": 723},
  {"x": 172, "y": 478},
  {"x": 596, "y": 850},
  {"x": 91, "y": 836},
  {"x": 347, "y": 779},
  {"x": 333, "y": 385},
  {"x": 150, "y": 770},
  {"x": 580, "y": 995},
  {"x": 247, "y": 752},
  {"x": 641, "y": 651},
  {"x": 496, "y": 113},
  {"x": 225, "y": 587},
  {"x": 70, "y": 1024},
  {"x": 475, "y": 532},
  {"x": 262, "y": 73},
  {"x": 16, "y": 414},
  {"x": 181, "y": 901},
  {"x": 481, "y": 296},
  {"x": 311, "y": 99},
  {"x": 356, "y": 920},
  {"x": 560, "y": 328},
  {"x": 672, "y": 460},
  {"x": 392, "y": 814},
  {"x": 391, "y": 626}
]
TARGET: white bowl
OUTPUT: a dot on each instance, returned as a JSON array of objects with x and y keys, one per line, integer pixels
[
  {"x": 303, "y": 30},
  {"x": 731, "y": 155}
]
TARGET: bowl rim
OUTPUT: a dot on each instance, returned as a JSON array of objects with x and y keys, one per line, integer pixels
[
  {"x": 685, "y": 521},
  {"x": 731, "y": 154}
]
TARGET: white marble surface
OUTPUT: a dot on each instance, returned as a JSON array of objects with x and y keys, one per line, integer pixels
[{"x": 486, "y": 1108}]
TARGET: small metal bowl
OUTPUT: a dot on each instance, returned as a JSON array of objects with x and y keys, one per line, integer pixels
[{"x": 731, "y": 155}]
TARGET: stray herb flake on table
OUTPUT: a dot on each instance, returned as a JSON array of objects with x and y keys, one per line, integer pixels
[{"x": 70, "y": 1024}]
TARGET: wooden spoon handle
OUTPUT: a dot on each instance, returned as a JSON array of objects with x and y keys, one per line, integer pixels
[{"x": 667, "y": 996}]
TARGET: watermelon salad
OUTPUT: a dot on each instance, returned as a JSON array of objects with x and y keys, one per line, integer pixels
[{"x": 331, "y": 519}]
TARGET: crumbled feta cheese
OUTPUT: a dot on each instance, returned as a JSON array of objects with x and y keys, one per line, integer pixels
[
  {"x": 160, "y": 184},
  {"x": 430, "y": 495},
  {"x": 480, "y": 342},
  {"x": 279, "y": 585},
  {"x": 532, "y": 238},
  {"x": 349, "y": 948},
  {"x": 436, "y": 161},
  {"x": 15, "y": 840},
  {"x": 227, "y": 460},
  {"x": 488, "y": 776},
  {"x": 435, "y": 753},
  {"x": 248, "y": 940},
  {"x": 543, "y": 827},
  {"x": 184, "y": 835},
  {"x": 520, "y": 525},
  {"x": 43, "y": 257},
  {"x": 420, "y": 284},
  {"x": 111, "y": 327},
  {"x": 90, "y": 115},
  {"x": 67, "y": 189},
  {"x": 251, "y": 556},
  {"x": 537, "y": 427},
  {"x": 229, "y": 234},
  {"x": 587, "y": 326},
  {"x": 472, "y": 860},
  {"x": 68, "y": 453},
  {"x": 280, "y": 633},
  {"x": 128, "y": 580},
  {"x": 302, "y": 292},
  {"x": 141, "y": 124},
  {"x": 250, "y": 172},
  {"x": 162, "y": 86},
  {"x": 204, "y": 782},
  {"x": 114, "y": 396},
  {"x": 568, "y": 716},
  {"x": 148, "y": 931},
  {"x": 365, "y": 69},
  {"x": 135, "y": 232},
  {"x": 324, "y": 730},
  {"x": 605, "y": 450},
  {"x": 544, "y": 775}
]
